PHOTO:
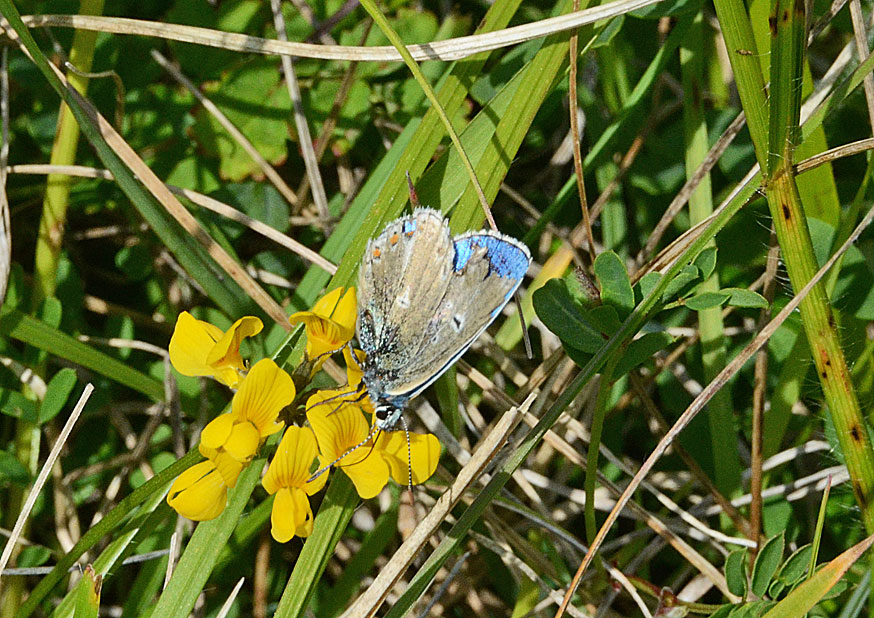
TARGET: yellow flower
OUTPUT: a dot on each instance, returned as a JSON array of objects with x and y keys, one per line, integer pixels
[
  {"x": 230, "y": 441},
  {"x": 200, "y": 493},
  {"x": 287, "y": 478},
  {"x": 339, "y": 426},
  {"x": 331, "y": 323},
  {"x": 198, "y": 348},
  {"x": 253, "y": 416},
  {"x": 417, "y": 464}
]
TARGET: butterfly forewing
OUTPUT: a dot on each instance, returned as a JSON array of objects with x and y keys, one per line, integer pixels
[
  {"x": 487, "y": 269},
  {"x": 455, "y": 288}
]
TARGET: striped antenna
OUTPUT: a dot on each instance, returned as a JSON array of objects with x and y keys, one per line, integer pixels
[{"x": 409, "y": 460}]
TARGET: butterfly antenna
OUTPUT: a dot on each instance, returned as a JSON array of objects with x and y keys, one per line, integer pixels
[
  {"x": 349, "y": 451},
  {"x": 414, "y": 197},
  {"x": 409, "y": 460},
  {"x": 360, "y": 392}
]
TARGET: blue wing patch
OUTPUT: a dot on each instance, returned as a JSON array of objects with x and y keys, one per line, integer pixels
[{"x": 507, "y": 257}]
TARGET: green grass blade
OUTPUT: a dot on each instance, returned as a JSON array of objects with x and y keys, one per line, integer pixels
[
  {"x": 226, "y": 294},
  {"x": 33, "y": 332},
  {"x": 333, "y": 517},
  {"x": 204, "y": 547},
  {"x": 106, "y": 525}
]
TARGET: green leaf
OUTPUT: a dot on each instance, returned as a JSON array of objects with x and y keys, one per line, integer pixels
[
  {"x": 12, "y": 470},
  {"x": 736, "y": 572},
  {"x": 615, "y": 284},
  {"x": 752, "y": 609},
  {"x": 706, "y": 300},
  {"x": 16, "y": 405},
  {"x": 640, "y": 350},
  {"x": 706, "y": 262},
  {"x": 255, "y": 100},
  {"x": 681, "y": 282},
  {"x": 723, "y": 611},
  {"x": 134, "y": 261},
  {"x": 604, "y": 318},
  {"x": 608, "y": 32},
  {"x": 766, "y": 564},
  {"x": 57, "y": 393},
  {"x": 776, "y": 588},
  {"x": 804, "y": 597},
  {"x": 648, "y": 283},
  {"x": 669, "y": 8},
  {"x": 739, "y": 297},
  {"x": 581, "y": 288},
  {"x": 796, "y": 565},
  {"x": 555, "y": 307}
]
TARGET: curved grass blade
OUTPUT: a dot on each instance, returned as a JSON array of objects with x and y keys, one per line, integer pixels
[{"x": 35, "y": 333}]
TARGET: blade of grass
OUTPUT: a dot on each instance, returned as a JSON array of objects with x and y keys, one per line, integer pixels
[
  {"x": 725, "y": 460},
  {"x": 204, "y": 547},
  {"x": 224, "y": 290},
  {"x": 141, "y": 494},
  {"x": 36, "y": 333},
  {"x": 54, "y": 208},
  {"x": 333, "y": 517}
]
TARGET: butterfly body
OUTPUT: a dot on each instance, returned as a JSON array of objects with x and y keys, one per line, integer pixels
[{"x": 424, "y": 297}]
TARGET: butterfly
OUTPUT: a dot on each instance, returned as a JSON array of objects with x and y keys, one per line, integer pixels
[
  {"x": 423, "y": 299},
  {"x": 424, "y": 296}
]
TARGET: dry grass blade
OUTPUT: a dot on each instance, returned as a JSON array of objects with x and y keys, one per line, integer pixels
[
  {"x": 368, "y": 603},
  {"x": 44, "y": 475},
  {"x": 229, "y": 602},
  {"x": 701, "y": 400},
  {"x": 305, "y": 140},
  {"x": 196, "y": 198},
  {"x": 5, "y": 232},
  {"x": 452, "y": 49},
  {"x": 269, "y": 172},
  {"x": 157, "y": 188}
]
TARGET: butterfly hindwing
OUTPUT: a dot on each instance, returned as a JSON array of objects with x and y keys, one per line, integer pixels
[{"x": 403, "y": 277}]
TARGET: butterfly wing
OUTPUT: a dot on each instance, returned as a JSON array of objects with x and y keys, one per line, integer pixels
[
  {"x": 401, "y": 281},
  {"x": 486, "y": 269}
]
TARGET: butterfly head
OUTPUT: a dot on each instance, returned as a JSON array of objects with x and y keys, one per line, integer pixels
[{"x": 386, "y": 416}]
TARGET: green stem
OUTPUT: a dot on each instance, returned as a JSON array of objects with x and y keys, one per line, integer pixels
[
  {"x": 56, "y": 202},
  {"x": 604, "y": 389},
  {"x": 725, "y": 462}
]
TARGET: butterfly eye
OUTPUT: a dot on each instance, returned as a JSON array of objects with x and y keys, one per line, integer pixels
[{"x": 381, "y": 413}]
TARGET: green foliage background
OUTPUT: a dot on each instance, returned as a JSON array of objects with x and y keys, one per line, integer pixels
[{"x": 655, "y": 91}]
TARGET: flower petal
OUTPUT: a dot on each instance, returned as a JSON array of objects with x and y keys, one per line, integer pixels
[
  {"x": 191, "y": 343},
  {"x": 338, "y": 424},
  {"x": 369, "y": 474},
  {"x": 421, "y": 460},
  {"x": 283, "y": 516},
  {"x": 294, "y": 458},
  {"x": 331, "y": 322},
  {"x": 228, "y": 467},
  {"x": 216, "y": 433},
  {"x": 243, "y": 442},
  {"x": 199, "y": 493},
  {"x": 226, "y": 351},
  {"x": 265, "y": 391},
  {"x": 345, "y": 313}
]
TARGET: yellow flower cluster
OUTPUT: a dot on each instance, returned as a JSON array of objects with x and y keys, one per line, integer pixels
[{"x": 339, "y": 420}]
